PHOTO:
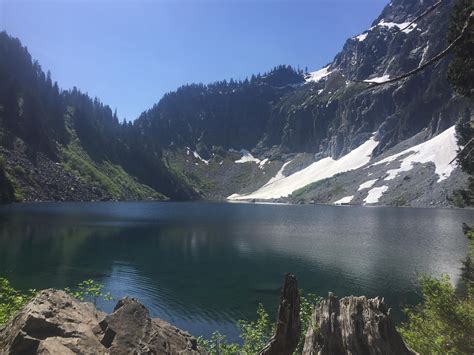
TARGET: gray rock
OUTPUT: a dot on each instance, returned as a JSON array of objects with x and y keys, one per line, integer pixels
[{"x": 56, "y": 323}]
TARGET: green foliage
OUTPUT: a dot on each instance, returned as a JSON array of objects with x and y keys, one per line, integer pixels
[
  {"x": 112, "y": 178},
  {"x": 217, "y": 344},
  {"x": 468, "y": 263},
  {"x": 256, "y": 334},
  {"x": 11, "y": 300},
  {"x": 89, "y": 290},
  {"x": 329, "y": 185},
  {"x": 307, "y": 304},
  {"x": 443, "y": 323}
]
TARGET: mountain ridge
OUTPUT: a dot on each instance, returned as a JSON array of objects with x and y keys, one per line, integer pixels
[{"x": 233, "y": 137}]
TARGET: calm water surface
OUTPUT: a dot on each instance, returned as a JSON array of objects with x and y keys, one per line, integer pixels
[{"x": 202, "y": 266}]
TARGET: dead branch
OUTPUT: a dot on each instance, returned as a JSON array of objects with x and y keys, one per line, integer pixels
[
  {"x": 433, "y": 60},
  {"x": 434, "y": 6}
]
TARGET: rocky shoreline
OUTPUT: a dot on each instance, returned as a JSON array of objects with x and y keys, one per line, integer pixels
[{"x": 54, "y": 322}]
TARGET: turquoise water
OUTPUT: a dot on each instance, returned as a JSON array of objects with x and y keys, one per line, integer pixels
[{"x": 202, "y": 266}]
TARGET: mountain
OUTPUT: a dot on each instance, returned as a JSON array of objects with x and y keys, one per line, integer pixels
[
  {"x": 319, "y": 136},
  {"x": 64, "y": 145},
  {"x": 328, "y": 136}
]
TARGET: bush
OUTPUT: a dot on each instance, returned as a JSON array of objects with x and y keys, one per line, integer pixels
[
  {"x": 256, "y": 334},
  {"x": 443, "y": 323},
  {"x": 91, "y": 291},
  {"x": 11, "y": 300}
]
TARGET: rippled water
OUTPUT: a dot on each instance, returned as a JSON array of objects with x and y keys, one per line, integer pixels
[{"x": 202, "y": 266}]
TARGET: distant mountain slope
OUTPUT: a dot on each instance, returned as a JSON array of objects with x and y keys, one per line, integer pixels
[
  {"x": 230, "y": 114},
  {"x": 286, "y": 134},
  {"x": 326, "y": 117},
  {"x": 63, "y": 145}
]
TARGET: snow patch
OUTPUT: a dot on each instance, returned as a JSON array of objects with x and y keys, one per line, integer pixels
[
  {"x": 346, "y": 199},
  {"x": 197, "y": 156},
  {"x": 361, "y": 37},
  {"x": 379, "y": 79},
  {"x": 367, "y": 184},
  {"x": 247, "y": 157},
  {"x": 318, "y": 75},
  {"x": 390, "y": 25},
  {"x": 281, "y": 186},
  {"x": 261, "y": 165},
  {"x": 440, "y": 150},
  {"x": 374, "y": 195}
]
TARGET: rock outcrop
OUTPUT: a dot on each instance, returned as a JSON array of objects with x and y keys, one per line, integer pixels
[
  {"x": 56, "y": 323},
  {"x": 353, "y": 325},
  {"x": 288, "y": 327}
]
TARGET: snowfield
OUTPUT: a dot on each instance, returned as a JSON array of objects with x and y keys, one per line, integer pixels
[
  {"x": 282, "y": 186},
  {"x": 440, "y": 150}
]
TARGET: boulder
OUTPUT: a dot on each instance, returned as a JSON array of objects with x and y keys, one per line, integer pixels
[
  {"x": 353, "y": 325},
  {"x": 56, "y": 323}
]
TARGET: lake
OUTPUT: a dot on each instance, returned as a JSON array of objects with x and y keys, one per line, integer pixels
[{"x": 202, "y": 266}]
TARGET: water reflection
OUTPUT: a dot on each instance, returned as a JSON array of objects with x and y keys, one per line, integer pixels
[{"x": 202, "y": 266}]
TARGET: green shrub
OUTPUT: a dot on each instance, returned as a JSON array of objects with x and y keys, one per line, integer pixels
[
  {"x": 256, "y": 334},
  {"x": 217, "y": 344},
  {"x": 11, "y": 300},
  {"x": 443, "y": 323},
  {"x": 89, "y": 290}
]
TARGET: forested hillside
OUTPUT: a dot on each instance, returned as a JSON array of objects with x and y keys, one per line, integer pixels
[{"x": 55, "y": 142}]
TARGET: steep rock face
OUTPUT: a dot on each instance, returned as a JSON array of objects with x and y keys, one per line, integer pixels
[
  {"x": 353, "y": 325},
  {"x": 328, "y": 116},
  {"x": 55, "y": 323},
  {"x": 332, "y": 115}
]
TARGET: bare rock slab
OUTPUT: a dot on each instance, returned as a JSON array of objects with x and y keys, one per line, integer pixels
[{"x": 56, "y": 323}]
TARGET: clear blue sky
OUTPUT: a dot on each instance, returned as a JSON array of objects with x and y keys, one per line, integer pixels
[{"x": 129, "y": 53}]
